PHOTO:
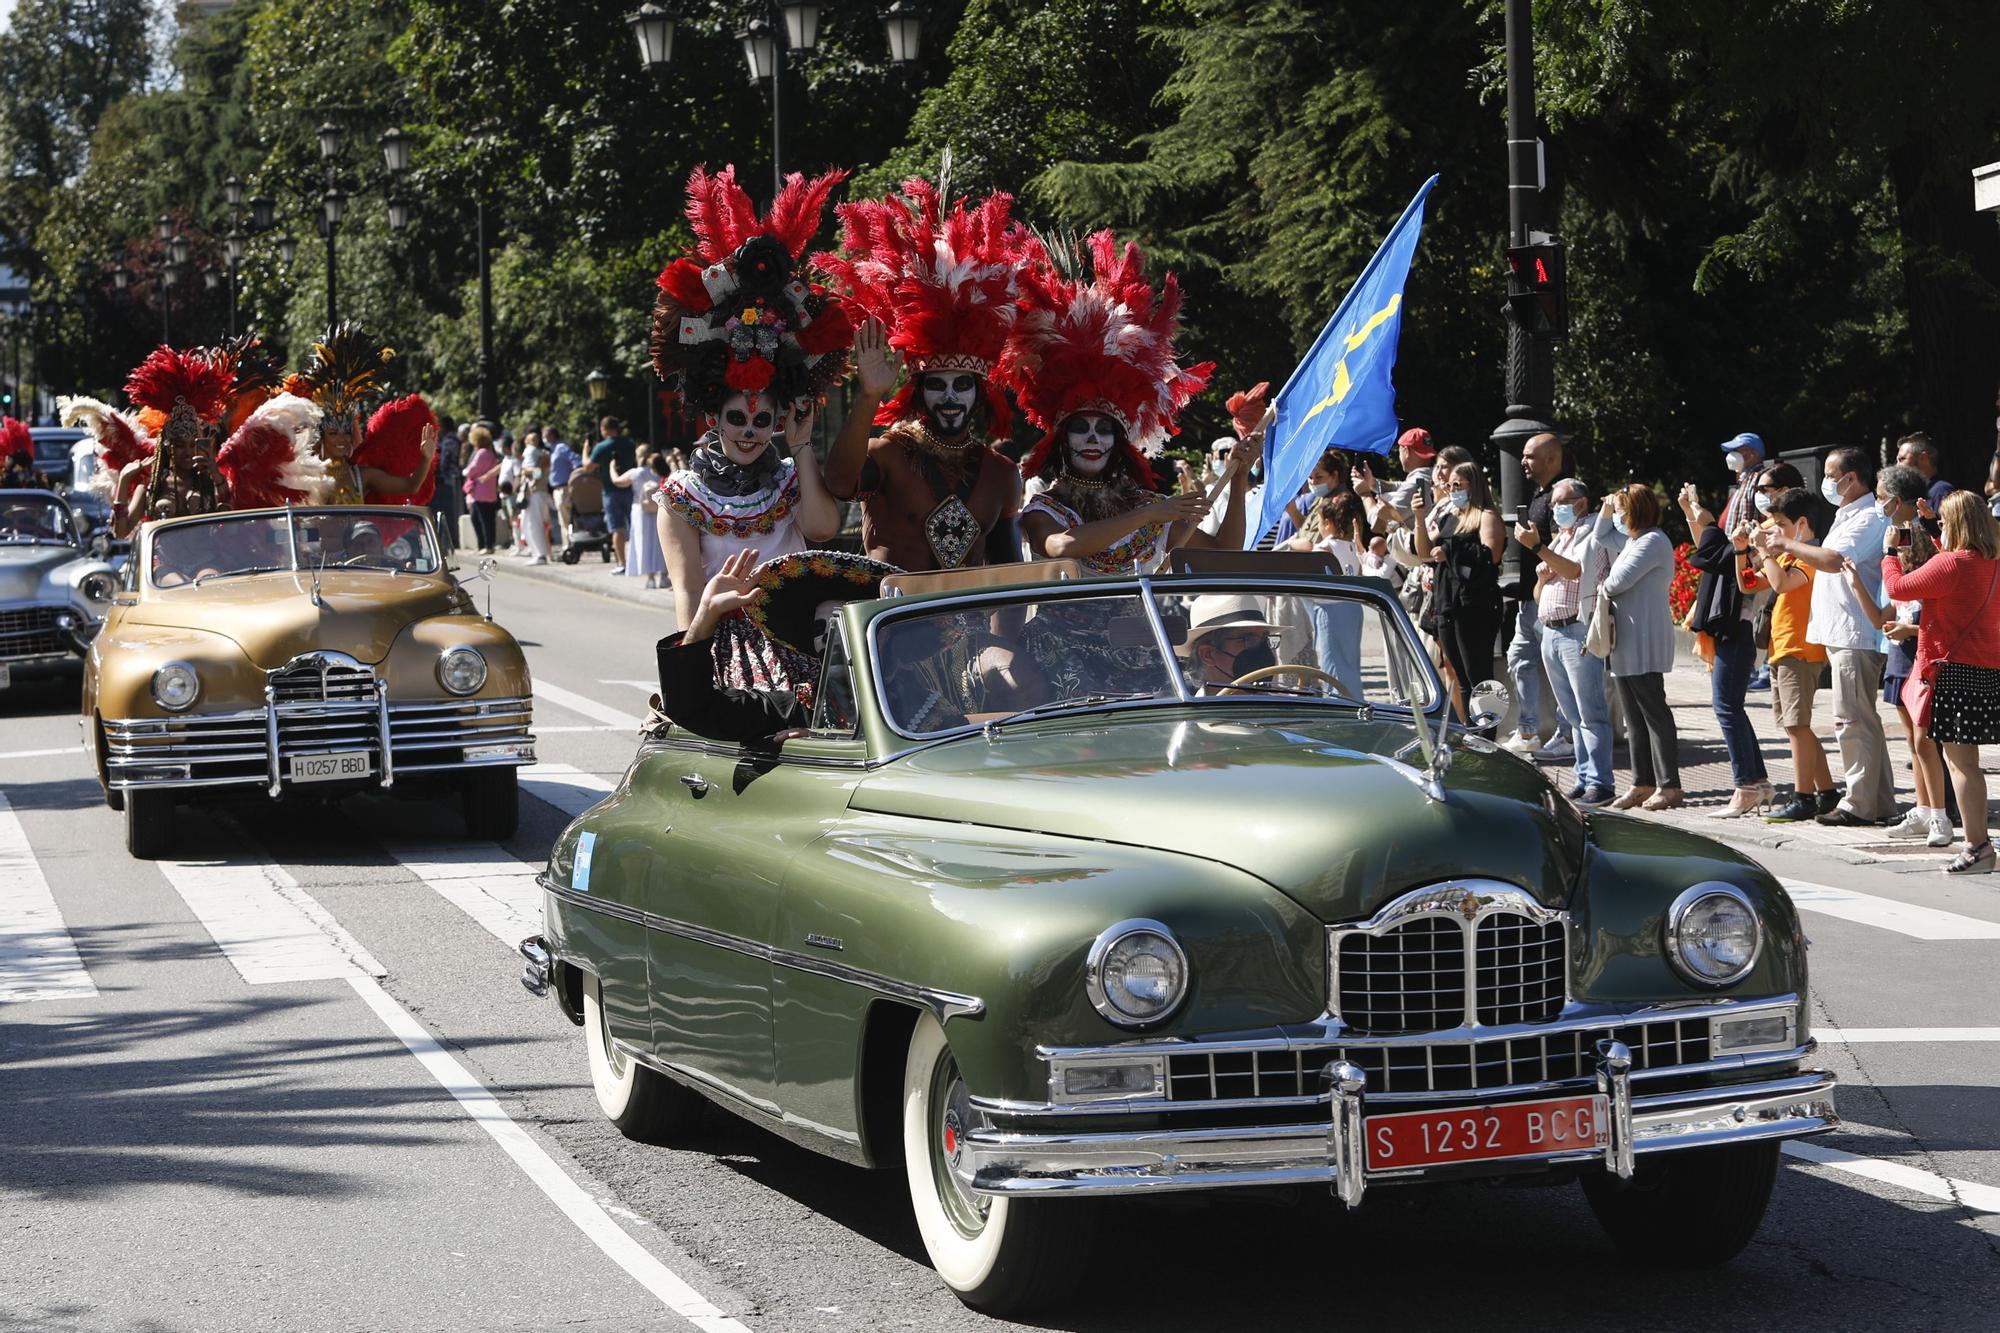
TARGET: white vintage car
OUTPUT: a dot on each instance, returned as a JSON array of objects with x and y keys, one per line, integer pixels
[{"x": 53, "y": 592}]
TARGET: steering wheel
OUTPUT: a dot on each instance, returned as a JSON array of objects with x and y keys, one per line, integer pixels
[{"x": 1285, "y": 669}]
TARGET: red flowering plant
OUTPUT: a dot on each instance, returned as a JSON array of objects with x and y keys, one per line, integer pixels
[{"x": 1680, "y": 592}]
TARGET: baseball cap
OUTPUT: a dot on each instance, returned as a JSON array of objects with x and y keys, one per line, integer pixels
[
  {"x": 1418, "y": 441},
  {"x": 1746, "y": 441}
]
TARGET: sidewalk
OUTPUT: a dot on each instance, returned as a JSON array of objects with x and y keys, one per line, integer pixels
[
  {"x": 1706, "y": 779},
  {"x": 589, "y": 575}
]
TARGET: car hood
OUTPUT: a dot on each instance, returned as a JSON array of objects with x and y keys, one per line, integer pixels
[
  {"x": 23, "y": 569},
  {"x": 272, "y": 617},
  {"x": 1327, "y": 810}
]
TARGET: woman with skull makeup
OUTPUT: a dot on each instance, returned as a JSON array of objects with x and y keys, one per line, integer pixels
[
  {"x": 942, "y": 286},
  {"x": 749, "y": 345}
]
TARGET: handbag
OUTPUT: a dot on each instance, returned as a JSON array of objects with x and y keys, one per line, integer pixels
[
  {"x": 1603, "y": 633},
  {"x": 1920, "y": 690}
]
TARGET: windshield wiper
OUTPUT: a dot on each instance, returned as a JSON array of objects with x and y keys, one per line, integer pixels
[
  {"x": 1073, "y": 701},
  {"x": 1266, "y": 687},
  {"x": 232, "y": 573}
]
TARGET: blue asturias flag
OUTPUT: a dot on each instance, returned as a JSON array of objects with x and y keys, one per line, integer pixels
[{"x": 1342, "y": 396}]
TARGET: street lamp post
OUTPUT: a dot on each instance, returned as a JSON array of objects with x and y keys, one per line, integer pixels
[
  {"x": 332, "y": 204},
  {"x": 1530, "y": 356},
  {"x": 489, "y": 407}
]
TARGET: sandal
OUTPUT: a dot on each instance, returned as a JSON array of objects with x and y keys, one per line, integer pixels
[
  {"x": 1666, "y": 798},
  {"x": 1973, "y": 860},
  {"x": 1633, "y": 798}
]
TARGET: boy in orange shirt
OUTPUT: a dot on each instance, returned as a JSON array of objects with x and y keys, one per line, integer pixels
[{"x": 1795, "y": 663}]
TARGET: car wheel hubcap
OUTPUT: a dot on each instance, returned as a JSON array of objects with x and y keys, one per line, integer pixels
[{"x": 951, "y": 1113}]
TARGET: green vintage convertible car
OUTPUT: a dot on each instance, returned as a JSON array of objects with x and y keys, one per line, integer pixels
[{"x": 1073, "y": 890}]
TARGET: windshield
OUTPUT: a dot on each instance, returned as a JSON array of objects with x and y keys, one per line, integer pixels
[
  {"x": 351, "y": 539},
  {"x": 35, "y": 520},
  {"x": 1225, "y": 644}
]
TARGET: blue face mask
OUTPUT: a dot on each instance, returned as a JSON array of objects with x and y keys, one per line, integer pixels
[
  {"x": 1831, "y": 490},
  {"x": 1564, "y": 515},
  {"x": 1322, "y": 489},
  {"x": 1458, "y": 500},
  {"x": 1618, "y": 522}
]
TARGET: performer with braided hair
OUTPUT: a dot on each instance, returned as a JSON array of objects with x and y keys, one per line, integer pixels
[{"x": 941, "y": 285}]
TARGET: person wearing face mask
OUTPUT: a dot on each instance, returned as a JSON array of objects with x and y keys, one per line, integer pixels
[
  {"x": 1543, "y": 465},
  {"x": 1795, "y": 661},
  {"x": 748, "y": 343},
  {"x": 1570, "y": 570},
  {"x": 942, "y": 287},
  {"x": 1642, "y": 648},
  {"x": 1841, "y": 626},
  {"x": 1723, "y": 611},
  {"x": 1466, "y": 569},
  {"x": 1744, "y": 455},
  {"x": 1228, "y": 637}
]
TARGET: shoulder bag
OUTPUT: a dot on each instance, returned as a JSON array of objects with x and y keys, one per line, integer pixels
[{"x": 1920, "y": 690}]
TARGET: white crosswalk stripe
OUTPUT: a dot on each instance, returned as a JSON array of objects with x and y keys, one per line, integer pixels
[
  {"x": 38, "y": 959},
  {"x": 496, "y": 890},
  {"x": 268, "y": 927},
  {"x": 586, "y": 706},
  {"x": 1923, "y": 923},
  {"x": 568, "y": 789}
]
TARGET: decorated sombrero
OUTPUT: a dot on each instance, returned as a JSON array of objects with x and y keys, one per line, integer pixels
[{"x": 796, "y": 585}]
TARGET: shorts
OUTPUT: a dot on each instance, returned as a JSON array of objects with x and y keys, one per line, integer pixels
[
  {"x": 618, "y": 508},
  {"x": 1794, "y": 681}
]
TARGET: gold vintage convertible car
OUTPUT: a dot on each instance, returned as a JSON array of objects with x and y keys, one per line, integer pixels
[{"x": 290, "y": 651}]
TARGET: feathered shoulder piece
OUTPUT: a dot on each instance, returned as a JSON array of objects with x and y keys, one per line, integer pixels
[
  {"x": 1099, "y": 341},
  {"x": 15, "y": 438},
  {"x": 120, "y": 439},
  {"x": 269, "y": 459},
  {"x": 944, "y": 279},
  {"x": 344, "y": 374},
  {"x": 394, "y": 442},
  {"x": 188, "y": 389},
  {"x": 255, "y": 372},
  {"x": 741, "y": 313}
]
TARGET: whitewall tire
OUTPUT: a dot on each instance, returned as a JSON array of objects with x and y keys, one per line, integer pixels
[
  {"x": 643, "y": 1104},
  {"x": 1001, "y": 1256}
]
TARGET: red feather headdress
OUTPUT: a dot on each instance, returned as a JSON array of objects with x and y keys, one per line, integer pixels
[
  {"x": 189, "y": 389},
  {"x": 945, "y": 281},
  {"x": 15, "y": 439},
  {"x": 739, "y": 315},
  {"x": 393, "y": 441},
  {"x": 1103, "y": 346},
  {"x": 269, "y": 459},
  {"x": 121, "y": 439}
]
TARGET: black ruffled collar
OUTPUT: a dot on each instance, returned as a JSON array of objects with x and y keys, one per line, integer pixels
[{"x": 723, "y": 477}]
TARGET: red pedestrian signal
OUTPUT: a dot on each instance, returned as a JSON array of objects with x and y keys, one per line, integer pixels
[{"x": 1535, "y": 287}]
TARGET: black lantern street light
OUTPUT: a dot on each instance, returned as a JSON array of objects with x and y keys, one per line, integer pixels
[
  {"x": 232, "y": 251},
  {"x": 178, "y": 247},
  {"x": 164, "y": 229},
  {"x": 210, "y": 279},
  {"x": 288, "y": 248},
  {"x": 599, "y": 385},
  {"x": 332, "y": 205},
  {"x": 653, "y": 28},
  {"x": 764, "y": 45},
  {"x": 263, "y": 213},
  {"x": 395, "y": 146},
  {"x": 399, "y": 213},
  {"x": 120, "y": 278},
  {"x": 904, "y": 24}
]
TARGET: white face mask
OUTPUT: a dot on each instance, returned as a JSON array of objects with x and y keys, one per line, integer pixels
[
  {"x": 1089, "y": 438},
  {"x": 948, "y": 400},
  {"x": 1737, "y": 460},
  {"x": 1763, "y": 502}
]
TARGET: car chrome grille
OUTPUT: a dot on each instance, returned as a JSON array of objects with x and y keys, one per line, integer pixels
[
  {"x": 1451, "y": 956},
  {"x": 1409, "y": 980},
  {"x": 323, "y": 682},
  {"x": 1434, "y": 1068},
  {"x": 1520, "y": 970},
  {"x": 31, "y": 631}
]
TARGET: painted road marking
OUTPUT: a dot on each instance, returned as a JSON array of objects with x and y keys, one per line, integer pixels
[
  {"x": 1923, "y": 923},
  {"x": 590, "y": 708},
  {"x": 557, "y": 731},
  {"x": 270, "y": 929},
  {"x": 574, "y": 1201},
  {"x": 566, "y": 787},
  {"x": 1980, "y": 1198},
  {"x": 1845, "y": 1036},
  {"x": 38, "y": 959},
  {"x": 42, "y": 754},
  {"x": 649, "y": 686},
  {"x": 496, "y": 890}
]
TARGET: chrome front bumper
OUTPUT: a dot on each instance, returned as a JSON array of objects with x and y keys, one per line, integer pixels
[
  {"x": 1328, "y": 1152},
  {"x": 255, "y": 747}
]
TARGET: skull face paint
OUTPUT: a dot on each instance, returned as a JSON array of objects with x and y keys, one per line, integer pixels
[
  {"x": 1089, "y": 441},
  {"x": 746, "y": 427},
  {"x": 949, "y": 399}
]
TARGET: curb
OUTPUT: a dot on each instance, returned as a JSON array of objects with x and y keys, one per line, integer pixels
[{"x": 596, "y": 583}]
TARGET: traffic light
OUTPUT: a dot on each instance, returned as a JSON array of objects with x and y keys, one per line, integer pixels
[{"x": 1535, "y": 286}]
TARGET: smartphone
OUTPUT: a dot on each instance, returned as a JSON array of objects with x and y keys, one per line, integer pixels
[{"x": 1901, "y": 536}]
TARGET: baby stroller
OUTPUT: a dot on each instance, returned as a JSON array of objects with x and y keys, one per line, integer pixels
[{"x": 587, "y": 529}]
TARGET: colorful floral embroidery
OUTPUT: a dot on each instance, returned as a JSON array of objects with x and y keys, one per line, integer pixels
[
  {"x": 741, "y": 517},
  {"x": 1135, "y": 552}
]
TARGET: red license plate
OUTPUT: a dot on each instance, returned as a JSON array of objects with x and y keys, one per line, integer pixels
[{"x": 1486, "y": 1133}]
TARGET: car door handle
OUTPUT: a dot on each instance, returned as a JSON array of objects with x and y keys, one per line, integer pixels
[{"x": 695, "y": 783}]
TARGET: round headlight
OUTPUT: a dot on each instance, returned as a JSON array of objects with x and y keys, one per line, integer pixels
[
  {"x": 461, "y": 670},
  {"x": 97, "y": 587},
  {"x": 1136, "y": 973},
  {"x": 1713, "y": 934},
  {"x": 175, "y": 686}
]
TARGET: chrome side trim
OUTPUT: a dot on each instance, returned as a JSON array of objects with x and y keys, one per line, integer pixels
[
  {"x": 1004, "y": 1163},
  {"x": 946, "y": 1005}
]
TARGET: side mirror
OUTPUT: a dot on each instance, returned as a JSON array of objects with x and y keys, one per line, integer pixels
[{"x": 1486, "y": 707}]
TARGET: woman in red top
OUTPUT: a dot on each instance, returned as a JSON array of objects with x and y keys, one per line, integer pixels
[{"x": 1958, "y": 652}]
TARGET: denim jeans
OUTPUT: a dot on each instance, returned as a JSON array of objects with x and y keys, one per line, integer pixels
[
  {"x": 1582, "y": 700},
  {"x": 1337, "y": 641},
  {"x": 1524, "y": 667},
  {"x": 1735, "y": 656}
]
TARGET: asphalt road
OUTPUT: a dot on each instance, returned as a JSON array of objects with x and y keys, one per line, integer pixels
[{"x": 289, "y": 1081}]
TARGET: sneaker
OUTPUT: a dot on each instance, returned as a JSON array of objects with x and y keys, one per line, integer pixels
[
  {"x": 1595, "y": 796},
  {"x": 1973, "y": 860},
  {"x": 1841, "y": 817},
  {"x": 1559, "y": 750},
  {"x": 618, "y": 571},
  {"x": 1760, "y": 679},
  {"x": 1941, "y": 832},
  {"x": 1574, "y": 791},
  {"x": 539, "y": 560},
  {"x": 1911, "y": 825},
  {"x": 1521, "y": 743},
  {"x": 1826, "y": 801},
  {"x": 1802, "y": 806}
]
